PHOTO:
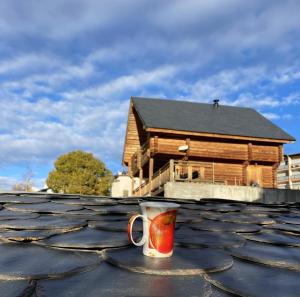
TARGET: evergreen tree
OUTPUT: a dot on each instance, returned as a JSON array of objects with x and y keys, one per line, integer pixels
[{"x": 79, "y": 172}]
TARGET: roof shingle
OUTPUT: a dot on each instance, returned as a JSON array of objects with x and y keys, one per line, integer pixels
[{"x": 202, "y": 117}]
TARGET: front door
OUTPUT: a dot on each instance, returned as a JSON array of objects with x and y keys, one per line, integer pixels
[{"x": 254, "y": 175}]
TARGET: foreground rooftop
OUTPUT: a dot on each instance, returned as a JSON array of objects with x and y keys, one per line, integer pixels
[{"x": 68, "y": 245}]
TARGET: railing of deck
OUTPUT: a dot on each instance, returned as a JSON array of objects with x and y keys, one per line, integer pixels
[
  {"x": 160, "y": 177},
  {"x": 182, "y": 171}
]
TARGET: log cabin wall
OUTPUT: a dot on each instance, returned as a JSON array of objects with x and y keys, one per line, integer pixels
[
  {"x": 232, "y": 160},
  {"x": 232, "y": 174},
  {"x": 217, "y": 149},
  {"x": 267, "y": 176},
  {"x": 265, "y": 153}
]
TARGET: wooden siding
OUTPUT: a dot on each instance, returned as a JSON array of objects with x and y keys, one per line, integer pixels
[
  {"x": 217, "y": 150},
  {"x": 231, "y": 174},
  {"x": 267, "y": 177},
  {"x": 265, "y": 153},
  {"x": 169, "y": 146},
  {"x": 135, "y": 135}
]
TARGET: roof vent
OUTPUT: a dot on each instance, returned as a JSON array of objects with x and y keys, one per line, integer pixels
[{"x": 216, "y": 103}]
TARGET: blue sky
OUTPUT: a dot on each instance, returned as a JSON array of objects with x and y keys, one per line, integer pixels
[{"x": 68, "y": 69}]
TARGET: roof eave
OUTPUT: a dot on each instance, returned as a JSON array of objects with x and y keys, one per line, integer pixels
[{"x": 217, "y": 135}]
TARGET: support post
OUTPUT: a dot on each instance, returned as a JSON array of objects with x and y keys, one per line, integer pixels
[
  {"x": 188, "y": 143},
  {"x": 250, "y": 152},
  {"x": 151, "y": 163},
  {"x": 139, "y": 158},
  {"x": 171, "y": 170},
  {"x": 190, "y": 172},
  {"x": 159, "y": 178},
  {"x": 289, "y": 160},
  {"x": 245, "y": 175},
  {"x": 140, "y": 181},
  {"x": 274, "y": 174},
  {"x": 155, "y": 149},
  {"x": 132, "y": 184}
]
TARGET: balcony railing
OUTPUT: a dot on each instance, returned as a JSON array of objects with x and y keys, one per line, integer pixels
[{"x": 182, "y": 171}]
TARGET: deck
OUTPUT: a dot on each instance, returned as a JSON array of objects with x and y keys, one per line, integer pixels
[{"x": 182, "y": 171}]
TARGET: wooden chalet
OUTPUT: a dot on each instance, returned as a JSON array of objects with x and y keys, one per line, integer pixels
[{"x": 179, "y": 141}]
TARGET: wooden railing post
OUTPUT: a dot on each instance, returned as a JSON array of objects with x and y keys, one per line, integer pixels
[
  {"x": 139, "y": 158},
  {"x": 171, "y": 170},
  {"x": 150, "y": 175},
  {"x": 132, "y": 184},
  {"x": 190, "y": 172},
  {"x": 141, "y": 181},
  {"x": 159, "y": 178}
]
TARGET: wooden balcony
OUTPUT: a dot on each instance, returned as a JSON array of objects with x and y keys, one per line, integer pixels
[{"x": 181, "y": 171}]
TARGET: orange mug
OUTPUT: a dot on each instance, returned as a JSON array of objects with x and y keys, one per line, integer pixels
[{"x": 158, "y": 228}]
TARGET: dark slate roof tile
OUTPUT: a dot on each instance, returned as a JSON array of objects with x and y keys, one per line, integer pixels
[
  {"x": 29, "y": 261},
  {"x": 25, "y": 254},
  {"x": 251, "y": 279},
  {"x": 108, "y": 281},
  {"x": 183, "y": 261}
]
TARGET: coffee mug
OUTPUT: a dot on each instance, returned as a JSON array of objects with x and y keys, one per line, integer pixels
[{"x": 158, "y": 228}]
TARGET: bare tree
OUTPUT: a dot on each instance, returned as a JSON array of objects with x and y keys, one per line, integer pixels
[{"x": 26, "y": 184}]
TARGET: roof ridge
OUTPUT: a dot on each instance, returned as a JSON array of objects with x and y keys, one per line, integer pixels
[{"x": 188, "y": 102}]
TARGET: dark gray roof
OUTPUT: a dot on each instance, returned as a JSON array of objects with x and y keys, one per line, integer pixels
[
  {"x": 216, "y": 237},
  {"x": 201, "y": 117}
]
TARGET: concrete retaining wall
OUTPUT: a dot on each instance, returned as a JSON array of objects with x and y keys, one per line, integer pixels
[{"x": 239, "y": 193}]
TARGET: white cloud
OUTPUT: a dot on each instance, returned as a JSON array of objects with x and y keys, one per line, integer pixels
[
  {"x": 271, "y": 115},
  {"x": 132, "y": 82},
  {"x": 99, "y": 129},
  {"x": 226, "y": 82}
]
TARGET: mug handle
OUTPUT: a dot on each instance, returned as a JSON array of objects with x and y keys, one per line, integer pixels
[{"x": 129, "y": 230}]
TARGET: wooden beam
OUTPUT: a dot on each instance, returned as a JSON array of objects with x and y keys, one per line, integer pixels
[
  {"x": 245, "y": 175},
  {"x": 140, "y": 181},
  {"x": 215, "y": 135},
  {"x": 171, "y": 170},
  {"x": 151, "y": 163},
  {"x": 190, "y": 172},
  {"x": 250, "y": 152},
  {"x": 155, "y": 149},
  {"x": 274, "y": 174},
  {"x": 132, "y": 184},
  {"x": 188, "y": 143},
  {"x": 280, "y": 153},
  {"x": 139, "y": 158}
]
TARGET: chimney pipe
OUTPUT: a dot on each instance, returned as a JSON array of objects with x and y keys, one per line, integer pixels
[{"x": 216, "y": 103}]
